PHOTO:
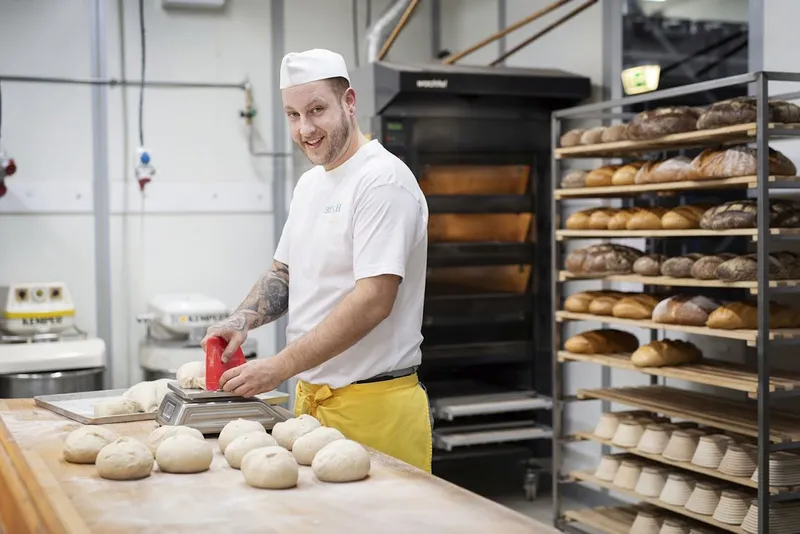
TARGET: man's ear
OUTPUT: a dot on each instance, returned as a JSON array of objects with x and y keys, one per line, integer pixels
[{"x": 350, "y": 100}]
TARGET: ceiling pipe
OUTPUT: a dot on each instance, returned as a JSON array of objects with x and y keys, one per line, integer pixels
[{"x": 378, "y": 33}]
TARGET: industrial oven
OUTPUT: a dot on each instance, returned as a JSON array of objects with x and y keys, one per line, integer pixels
[{"x": 478, "y": 140}]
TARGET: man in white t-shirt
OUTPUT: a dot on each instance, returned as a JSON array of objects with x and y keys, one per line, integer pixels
[{"x": 350, "y": 271}]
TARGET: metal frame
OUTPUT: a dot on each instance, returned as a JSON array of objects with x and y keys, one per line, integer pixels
[{"x": 759, "y": 81}]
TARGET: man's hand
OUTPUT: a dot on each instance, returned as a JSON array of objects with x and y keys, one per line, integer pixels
[
  {"x": 254, "y": 377},
  {"x": 233, "y": 330}
]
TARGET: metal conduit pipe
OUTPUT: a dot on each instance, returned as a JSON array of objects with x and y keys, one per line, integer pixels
[
  {"x": 113, "y": 82},
  {"x": 379, "y": 31}
]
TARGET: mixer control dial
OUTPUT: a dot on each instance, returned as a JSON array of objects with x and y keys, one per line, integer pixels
[
  {"x": 38, "y": 294},
  {"x": 22, "y": 294}
]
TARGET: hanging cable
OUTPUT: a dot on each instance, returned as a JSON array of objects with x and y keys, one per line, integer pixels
[{"x": 141, "y": 87}]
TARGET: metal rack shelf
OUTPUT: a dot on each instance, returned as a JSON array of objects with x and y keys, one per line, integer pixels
[
  {"x": 669, "y": 281},
  {"x": 774, "y": 430}
]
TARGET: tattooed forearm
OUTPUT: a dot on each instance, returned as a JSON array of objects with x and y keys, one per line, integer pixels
[{"x": 266, "y": 302}]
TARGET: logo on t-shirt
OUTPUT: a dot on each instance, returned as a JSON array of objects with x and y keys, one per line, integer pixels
[{"x": 333, "y": 208}]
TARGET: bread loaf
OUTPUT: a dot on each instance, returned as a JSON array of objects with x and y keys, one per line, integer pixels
[
  {"x": 601, "y": 176},
  {"x": 666, "y": 352},
  {"x": 742, "y": 214},
  {"x": 574, "y": 179},
  {"x": 620, "y": 219},
  {"x": 680, "y": 266},
  {"x": 626, "y": 174},
  {"x": 599, "y": 219},
  {"x": 602, "y": 342},
  {"x": 602, "y": 259},
  {"x": 782, "y": 266},
  {"x": 635, "y": 307},
  {"x": 742, "y": 110},
  {"x": 604, "y": 304},
  {"x": 572, "y": 137},
  {"x": 683, "y": 217},
  {"x": 646, "y": 219},
  {"x": 649, "y": 265},
  {"x": 615, "y": 132},
  {"x": 663, "y": 121},
  {"x": 579, "y": 302},
  {"x": 579, "y": 220},
  {"x": 737, "y": 161},
  {"x": 706, "y": 267},
  {"x": 674, "y": 169},
  {"x": 684, "y": 310},
  {"x": 592, "y": 136},
  {"x": 744, "y": 315}
]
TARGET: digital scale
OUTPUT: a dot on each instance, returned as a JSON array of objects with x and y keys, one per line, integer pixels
[{"x": 210, "y": 411}]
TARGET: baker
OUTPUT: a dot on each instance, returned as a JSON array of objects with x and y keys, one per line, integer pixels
[{"x": 349, "y": 269}]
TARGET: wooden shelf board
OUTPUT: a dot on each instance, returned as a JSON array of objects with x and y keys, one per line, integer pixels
[
  {"x": 737, "y": 182},
  {"x": 735, "y": 416},
  {"x": 610, "y": 520},
  {"x": 750, "y": 336},
  {"x": 566, "y": 276},
  {"x": 688, "y": 466},
  {"x": 740, "y": 133},
  {"x": 607, "y": 234},
  {"x": 707, "y": 519},
  {"x": 709, "y": 372}
]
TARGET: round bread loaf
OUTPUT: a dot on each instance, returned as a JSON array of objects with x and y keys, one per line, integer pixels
[
  {"x": 593, "y": 136},
  {"x": 683, "y": 217},
  {"x": 579, "y": 220},
  {"x": 743, "y": 109},
  {"x": 783, "y": 265},
  {"x": 646, "y": 219},
  {"x": 602, "y": 342},
  {"x": 706, "y": 267},
  {"x": 738, "y": 161},
  {"x": 743, "y": 214},
  {"x": 684, "y": 310},
  {"x": 579, "y": 302},
  {"x": 649, "y": 265},
  {"x": 572, "y": 137},
  {"x": 600, "y": 218},
  {"x": 680, "y": 266},
  {"x": 574, "y": 179},
  {"x": 601, "y": 176},
  {"x": 615, "y": 132},
  {"x": 619, "y": 221},
  {"x": 663, "y": 121},
  {"x": 604, "y": 304},
  {"x": 626, "y": 174},
  {"x": 635, "y": 307},
  {"x": 602, "y": 259}
]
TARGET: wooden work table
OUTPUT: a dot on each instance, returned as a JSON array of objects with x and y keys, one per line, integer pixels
[{"x": 41, "y": 493}]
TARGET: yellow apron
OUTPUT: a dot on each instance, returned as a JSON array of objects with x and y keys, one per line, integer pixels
[{"x": 391, "y": 416}]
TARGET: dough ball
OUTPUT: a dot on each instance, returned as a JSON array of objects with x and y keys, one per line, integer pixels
[
  {"x": 143, "y": 393},
  {"x": 183, "y": 453},
  {"x": 161, "y": 387},
  {"x": 158, "y": 435},
  {"x": 124, "y": 459},
  {"x": 83, "y": 444},
  {"x": 116, "y": 406},
  {"x": 270, "y": 468},
  {"x": 342, "y": 460},
  {"x": 245, "y": 443},
  {"x": 192, "y": 375},
  {"x": 238, "y": 427},
  {"x": 286, "y": 432},
  {"x": 308, "y": 445}
]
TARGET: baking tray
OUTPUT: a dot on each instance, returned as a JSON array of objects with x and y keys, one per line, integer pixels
[{"x": 80, "y": 407}]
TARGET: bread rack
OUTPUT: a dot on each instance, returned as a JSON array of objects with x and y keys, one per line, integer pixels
[{"x": 752, "y": 414}]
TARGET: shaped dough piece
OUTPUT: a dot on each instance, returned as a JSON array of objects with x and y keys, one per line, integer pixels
[
  {"x": 270, "y": 468},
  {"x": 158, "y": 435},
  {"x": 238, "y": 427},
  {"x": 192, "y": 375},
  {"x": 183, "y": 453},
  {"x": 238, "y": 448},
  {"x": 116, "y": 406},
  {"x": 308, "y": 445},
  {"x": 124, "y": 459},
  {"x": 83, "y": 444},
  {"x": 342, "y": 460},
  {"x": 286, "y": 432},
  {"x": 143, "y": 393}
]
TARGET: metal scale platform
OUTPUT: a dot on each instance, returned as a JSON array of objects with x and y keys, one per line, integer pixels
[{"x": 210, "y": 411}]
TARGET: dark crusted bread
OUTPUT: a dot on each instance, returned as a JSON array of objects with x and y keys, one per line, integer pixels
[
  {"x": 742, "y": 214},
  {"x": 737, "y": 161},
  {"x": 706, "y": 267},
  {"x": 680, "y": 266},
  {"x": 663, "y": 121},
  {"x": 742, "y": 109},
  {"x": 649, "y": 265},
  {"x": 602, "y": 259},
  {"x": 782, "y": 266}
]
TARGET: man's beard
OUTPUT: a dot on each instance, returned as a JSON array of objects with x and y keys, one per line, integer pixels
[{"x": 337, "y": 142}]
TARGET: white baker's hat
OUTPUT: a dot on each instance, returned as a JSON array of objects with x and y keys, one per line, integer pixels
[{"x": 298, "y": 68}]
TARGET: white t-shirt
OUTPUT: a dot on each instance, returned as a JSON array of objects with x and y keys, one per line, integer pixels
[{"x": 365, "y": 218}]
